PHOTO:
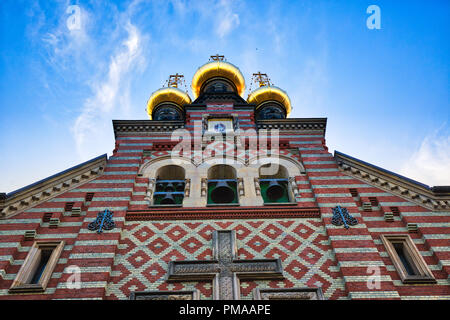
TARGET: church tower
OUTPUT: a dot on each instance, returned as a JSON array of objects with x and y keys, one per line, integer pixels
[{"x": 220, "y": 194}]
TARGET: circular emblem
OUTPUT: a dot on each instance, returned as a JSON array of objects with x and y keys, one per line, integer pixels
[{"x": 219, "y": 127}]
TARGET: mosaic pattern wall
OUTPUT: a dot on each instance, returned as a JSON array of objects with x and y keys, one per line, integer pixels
[{"x": 146, "y": 248}]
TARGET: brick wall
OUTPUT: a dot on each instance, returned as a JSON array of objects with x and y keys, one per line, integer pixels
[
  {"x": 147, "y": 247},
  {"x": 314, "y": 252}
]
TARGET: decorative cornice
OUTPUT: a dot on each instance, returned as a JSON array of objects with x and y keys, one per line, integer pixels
[
  {"x": 139, "y": 127},
  {"x": 22, "y": 199},
  {"x": 294, "y": 124},
  {"x": 434, "y": 198},
  {"x": 127, "y": 127},
  {"x": 222, "y": 213}
]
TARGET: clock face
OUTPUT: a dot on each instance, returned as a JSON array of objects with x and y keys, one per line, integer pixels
[{"x": 219, "y": 127}]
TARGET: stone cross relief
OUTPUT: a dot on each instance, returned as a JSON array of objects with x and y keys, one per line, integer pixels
[{"x": 225, "y": 270}]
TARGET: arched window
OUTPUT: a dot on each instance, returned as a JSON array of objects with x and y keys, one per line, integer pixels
[
  {"x": 170, "y": 185},
  {"x": 275, "y": 187},
  {"x": 222, "y": 185},
  {"x": 270, "y": 111},
  {"x": 218, "y": 86},
  {"x": 167, "y": 112}
]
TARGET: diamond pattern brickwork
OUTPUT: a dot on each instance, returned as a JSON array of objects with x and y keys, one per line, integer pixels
[{"x": 147, "y": 247}]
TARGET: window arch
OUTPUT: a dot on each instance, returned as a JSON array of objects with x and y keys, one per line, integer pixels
[
  {"x": 274, "y": 184},
  {"x": 170, "y": 171},
  {"x": 293, "y": 166},
  {"x": 221, "y": 171},
  {"x": 218, "y": 85},
  {"x": 222, "y": 185},
  {"x": 167, "y": 112},
  {"x": 280, "y": 173},
  {"x": 169, "y": 185},
  {"x": 270, "y": 111}
]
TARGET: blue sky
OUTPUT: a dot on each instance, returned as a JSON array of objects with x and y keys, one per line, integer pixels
[{"x": 385, "y": 92}]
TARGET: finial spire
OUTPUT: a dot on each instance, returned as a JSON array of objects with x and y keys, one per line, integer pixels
[
  {"x": 174, "y": 80},
  {"x": 261, "y": 78},
  {"x": 218, "y": 57}
]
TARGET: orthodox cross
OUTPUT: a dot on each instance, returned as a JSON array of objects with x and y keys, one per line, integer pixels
[
  {"x": 217, "y": 57},
  {"x": 342, "y": 217},
  {"x": 225, "y": 270},
  {"x": 175, "y": 80},
  {"x": 103, "y": 221},
  {"x": 261, "y": 78}
]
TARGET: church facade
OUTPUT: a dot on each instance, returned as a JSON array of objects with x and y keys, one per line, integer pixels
[{"x": 221, "y": 197}]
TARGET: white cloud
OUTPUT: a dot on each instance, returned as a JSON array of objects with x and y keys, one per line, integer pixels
[
  {"x": 111, "y": 95},
  {"x": 228, "y": 20},
  {"x": 179, "y": 6},
  {"x": 65, "y": 43},
  {"x": 430, "y": 164}
]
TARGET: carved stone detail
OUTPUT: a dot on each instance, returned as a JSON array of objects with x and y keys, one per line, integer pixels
[
  {"x": 204, "y": 187},
  {"x": 165, "y": 295},
  {"x": 294, "y": 186},
  {"x": 257, "y": 186},
  {"x": 150, "y": 190},
  {"x": 225, "y": 269},
  {"x": 288, "y": 294},
  {"x": 187, "y": 188},
  {"x": 241, "y": 187}
]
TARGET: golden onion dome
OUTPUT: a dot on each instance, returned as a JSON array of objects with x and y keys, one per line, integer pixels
[
  {"x": 218, "y": 68},
  {"x": 270, "y": 93},
  {"x": 168, "y": 94}
]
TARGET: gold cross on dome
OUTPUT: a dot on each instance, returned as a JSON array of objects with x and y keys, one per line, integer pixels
[
  {"x": 262, "y": 79},
  {"x": 174, "y": 80},
  {"x": 218, "y": 57}
]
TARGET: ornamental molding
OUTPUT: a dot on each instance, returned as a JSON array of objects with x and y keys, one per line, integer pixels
[
  {"x": 256, "y": 161},
  {"x": 433, "y": 198},
  {"x": 166, "y": 295},
  {"x": 288, "y": 294},
  {"x": 231, "y": 212},
  {"x": 293, "y": 124},
  {"x": 130, "y": 127},
  {"x": 25, "y": 198},
  {"x": 139, "y": 127}
]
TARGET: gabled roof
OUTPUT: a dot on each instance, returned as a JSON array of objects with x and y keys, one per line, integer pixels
[
  {"x": 434, "y": 198},
  {"x": 42, "y": 190}
]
